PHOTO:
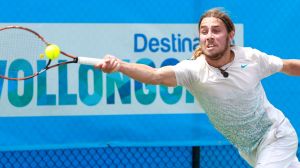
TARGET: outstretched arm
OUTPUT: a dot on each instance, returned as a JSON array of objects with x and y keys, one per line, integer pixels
[
  {"x": 291, "y": 67},
  {"x": 140, "y": 72}
]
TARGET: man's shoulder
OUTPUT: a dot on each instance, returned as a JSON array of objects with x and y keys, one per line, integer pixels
[
  {"x": 243, "y": 49},
  {"x": 192, "y": 64},
  {"x": 246, "y": 52}
]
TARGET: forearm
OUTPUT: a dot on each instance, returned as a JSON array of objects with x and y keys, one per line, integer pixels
[
  {"x": 291, "y": 67},
  {"x": 140, "y": 72}
]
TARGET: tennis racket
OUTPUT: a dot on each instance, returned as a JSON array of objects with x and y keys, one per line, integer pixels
[{"x": 20, "y": 45}]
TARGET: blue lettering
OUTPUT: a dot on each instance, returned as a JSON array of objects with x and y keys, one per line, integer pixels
[
  {"x": 179, "y": 44},
  {"x": 85, "y": 97},
  {"x": 170, "y": 98},
  {"x": 141, "y": 96},
  {"x": 187, "y": 42},
  {"x": 173, "y": 40},
  {"x": 189, "y": 97},
  {"x": 165, "y": 46},
  {"x": 42, "y": 97},
  {"x": 153, "y": 44},
  {"x": 196, "y": 43},
  {"x": 123, "y": 85},
  {"x": 90, "y": 85},
  {"x": 2, "y": 73},
  {"x": 174, "y": 43},
  {"x": 64, "y": 97},
  {"x": 13, "y": 86},
  {"x": 143, "y": 41}
]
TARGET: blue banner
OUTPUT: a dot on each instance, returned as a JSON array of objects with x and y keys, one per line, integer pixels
[{"x": 78, "y": 106}]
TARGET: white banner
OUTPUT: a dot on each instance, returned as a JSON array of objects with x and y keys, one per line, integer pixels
[{"x": 82, "y": 90}]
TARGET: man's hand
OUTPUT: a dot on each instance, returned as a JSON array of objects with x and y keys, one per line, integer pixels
[{"x": 110, "y": 64}]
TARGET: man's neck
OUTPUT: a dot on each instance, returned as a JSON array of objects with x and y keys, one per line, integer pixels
[{"x": 225, "y": 59}]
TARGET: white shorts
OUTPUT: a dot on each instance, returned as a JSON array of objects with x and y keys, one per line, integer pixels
[{"x": 277, "y": 149}]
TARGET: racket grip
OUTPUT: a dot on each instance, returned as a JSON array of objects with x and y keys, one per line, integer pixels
[{"x": 89, "y": 61}]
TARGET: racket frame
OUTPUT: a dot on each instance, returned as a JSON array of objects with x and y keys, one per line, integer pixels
[{"x": 48, "y": 65}]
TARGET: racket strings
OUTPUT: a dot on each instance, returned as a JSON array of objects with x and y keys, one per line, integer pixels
[{"x": 17, "y": 44}]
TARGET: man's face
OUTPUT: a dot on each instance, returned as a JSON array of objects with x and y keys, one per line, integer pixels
[{"x": 214, "y": 38}]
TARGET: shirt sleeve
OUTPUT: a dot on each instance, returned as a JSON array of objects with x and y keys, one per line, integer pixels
[
  {"x": 184, "y": 73},
  {"x": 268, "y": 64}
]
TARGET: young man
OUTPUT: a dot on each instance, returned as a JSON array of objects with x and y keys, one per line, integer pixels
[{"x": 226, "y": 80}]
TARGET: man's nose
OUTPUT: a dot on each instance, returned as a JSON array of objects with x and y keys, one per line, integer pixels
[{"x": 210, "y": 35}]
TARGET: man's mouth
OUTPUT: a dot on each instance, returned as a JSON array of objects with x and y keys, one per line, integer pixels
[{"x": 210, "y": 46}]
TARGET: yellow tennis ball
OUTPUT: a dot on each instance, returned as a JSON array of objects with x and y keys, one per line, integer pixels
[{"x": 52, "y": 51}]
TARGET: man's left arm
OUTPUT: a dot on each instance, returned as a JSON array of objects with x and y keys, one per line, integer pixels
[{"x": 291, "y": 67}]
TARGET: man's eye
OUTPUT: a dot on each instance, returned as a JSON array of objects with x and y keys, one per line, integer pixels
[
  {"x": 203, "y": 32},
  {"x": 216, "y": 31}
]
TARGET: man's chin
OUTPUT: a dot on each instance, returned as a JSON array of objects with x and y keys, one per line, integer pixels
[{"x": 212, "y": 55}]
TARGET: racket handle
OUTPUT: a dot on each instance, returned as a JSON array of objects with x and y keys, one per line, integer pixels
[{"x": 89, "y": 61}]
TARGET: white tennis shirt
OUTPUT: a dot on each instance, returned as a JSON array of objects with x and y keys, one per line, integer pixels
[{"x": 237, "y": 106}]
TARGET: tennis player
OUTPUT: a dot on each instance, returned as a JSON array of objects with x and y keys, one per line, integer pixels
[{"x": 226, "y": 81}]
